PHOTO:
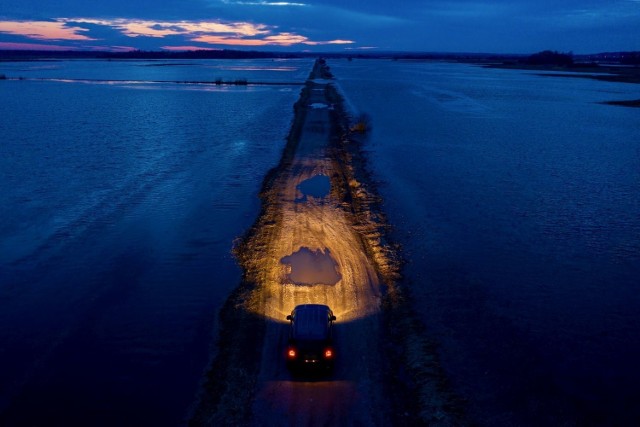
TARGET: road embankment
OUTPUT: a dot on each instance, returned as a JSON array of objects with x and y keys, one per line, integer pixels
[{"x": 387, "y": 372}]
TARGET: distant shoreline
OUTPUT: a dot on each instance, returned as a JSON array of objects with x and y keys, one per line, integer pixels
[
  {"x": 473, "y": 57},
  {"x": 609, "y": 73},
  {"x": 610, "y": 67},
  {"x": 633, "y": 103},
  {"x": 218, "y": 82}
]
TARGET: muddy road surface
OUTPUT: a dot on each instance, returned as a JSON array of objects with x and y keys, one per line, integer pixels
[
  {"x": 320, "y": 226},
  {"x": 318, "y": 241}
]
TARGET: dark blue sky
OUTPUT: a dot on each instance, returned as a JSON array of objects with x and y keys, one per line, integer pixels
[{"x": 503, "y": 26}]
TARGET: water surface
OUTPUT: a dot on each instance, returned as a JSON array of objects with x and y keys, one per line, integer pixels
[
  {"x": 119, "y": 209},
  {"x": 516, "y": 199}
]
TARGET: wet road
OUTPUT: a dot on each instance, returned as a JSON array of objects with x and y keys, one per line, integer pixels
[{"x": 352, "y": 395}]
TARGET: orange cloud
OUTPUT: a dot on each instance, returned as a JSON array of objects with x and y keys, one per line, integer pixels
[
  {"x": 239, "y": 28},
  {"x": 140, "y": 27},
  {"x": 43, "y": 30},
  {"x": 210, "y": 32},
  {"x": 228, "y": 41},
  {"x": 281, "y": 39},
  {"x": 286, "y": 39}
]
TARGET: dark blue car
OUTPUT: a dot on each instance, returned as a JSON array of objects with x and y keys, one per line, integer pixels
[{"x": 310, "y": 337}]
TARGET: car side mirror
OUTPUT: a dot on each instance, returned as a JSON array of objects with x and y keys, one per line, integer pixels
[
  {"x": 332, "y": 318},
  {"x": 289, "y": 317}
]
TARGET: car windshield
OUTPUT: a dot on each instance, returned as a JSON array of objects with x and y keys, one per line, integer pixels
[{"x": 311, "y": 324}]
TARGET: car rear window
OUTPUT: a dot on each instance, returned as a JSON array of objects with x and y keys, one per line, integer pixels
[{"x": 311, "y": 323}]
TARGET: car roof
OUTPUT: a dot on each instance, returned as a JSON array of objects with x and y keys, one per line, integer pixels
[
  {"x": 311, "y": 321},
  {"x": 316, "y": 307}
]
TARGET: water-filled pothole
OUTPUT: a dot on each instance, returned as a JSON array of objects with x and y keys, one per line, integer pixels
[
  {"x": 318, "y": 186},
  {"x": 309, "y": 267}
]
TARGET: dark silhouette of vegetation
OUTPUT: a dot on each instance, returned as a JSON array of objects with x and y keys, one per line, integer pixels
[
  {"x": 633, "y": 103},
  {"x": 323, "y": 69},
  {"x": 362, "y": 123},
  {"x": 630, "y": 58},
  {"x": 549, "y": 57},
  {"x": 237, "y": 82}
]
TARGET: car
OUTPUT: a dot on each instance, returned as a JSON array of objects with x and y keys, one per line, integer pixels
[{"x": 310, "y": 344}]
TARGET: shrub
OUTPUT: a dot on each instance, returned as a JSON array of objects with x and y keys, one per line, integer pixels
[
  {"x": 549, "y": 57},
  {"x": 362, "y": 123}
]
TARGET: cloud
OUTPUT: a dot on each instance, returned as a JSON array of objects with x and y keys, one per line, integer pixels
[
  {"x": 147, "y": 28},
  {"x": 186, "y": 48},
  {"x": 589, "y": 18},
  {"x": 215, "y": 32},
  {"x": 209, "y": 32},
  {"x": 265, "y": 3},
  {"x": 280, "y": 39},
  {"x": 44, "y": 30}
]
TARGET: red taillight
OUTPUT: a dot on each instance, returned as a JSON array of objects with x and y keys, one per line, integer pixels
[
  {"x": 328, "y": 353},
  {"x": 291, "y": 353}
]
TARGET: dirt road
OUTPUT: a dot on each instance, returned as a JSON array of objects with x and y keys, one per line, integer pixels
[
  {"x": 320, "y": 240},
  {"x": 352, "y": 395}
]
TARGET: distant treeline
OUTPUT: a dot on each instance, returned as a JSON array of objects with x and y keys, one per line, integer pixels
[{"x": 547, "y": 57}]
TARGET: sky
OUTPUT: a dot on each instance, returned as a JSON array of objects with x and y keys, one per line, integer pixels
[{"x": 498, "y": 26}]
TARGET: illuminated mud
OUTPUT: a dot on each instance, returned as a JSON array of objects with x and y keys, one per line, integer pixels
[
  {"x": 309, "y": 246},
  {"x": 314, "y": 245},
  {"x": 316, "y": 223}
]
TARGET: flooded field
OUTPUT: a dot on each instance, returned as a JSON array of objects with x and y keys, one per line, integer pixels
[
  {"x": 125, "y": 184},
  {"x": 120, "y": 204},
  {"x": 515, "y": 198}
]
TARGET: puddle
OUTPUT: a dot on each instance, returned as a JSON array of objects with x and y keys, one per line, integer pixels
[
  {"x": 317, "y": 186},
  {"x": 308, "y": 267},
  {"x": 317, "y": 105}
]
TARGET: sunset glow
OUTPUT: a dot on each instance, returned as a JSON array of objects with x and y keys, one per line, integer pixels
[
  {"x": 44, "y": 30},
  {"x": 207, "y": 32},
  {"x": 322, "y": 25}
]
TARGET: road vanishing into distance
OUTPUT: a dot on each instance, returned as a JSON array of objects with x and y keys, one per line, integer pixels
[
  {"x": 317, "y": 256},
  {"x": 309, "y": 246},
  {"x": 320, "y": 239}
]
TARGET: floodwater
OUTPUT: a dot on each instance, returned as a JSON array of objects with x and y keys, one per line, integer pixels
[
  {"x": 317, "y": 187},
  {"x": 120, "y": 203},
  {"x": 515, "y": 197},
  {"x": 309, "y": 267},
  {"x": 517, "y": 201}
]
